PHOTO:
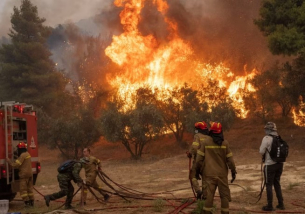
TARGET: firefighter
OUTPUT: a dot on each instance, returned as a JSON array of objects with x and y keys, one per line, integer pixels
[
  {"x": 24, "y": 164},
  {"x": 66, "y": 188},
  {"x": 216, "y": 157},
  {"x": 201, "y": 134},
  {"x": 91, "y": 170}
]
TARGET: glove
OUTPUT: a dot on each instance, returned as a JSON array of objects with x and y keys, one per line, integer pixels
[
  {"x": 233, "y": 172},
  {"x": 197, "y": 176},
  {"x": 188, "y": 154}
]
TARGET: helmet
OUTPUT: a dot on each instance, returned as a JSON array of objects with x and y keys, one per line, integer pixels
[
  {"x": 85, "y": 160},
  {"x": 271, "y": 126},
  {"x": 216, "y": 127},
  {"x": 201, "y": 125},
  {"x": 21, "y": 145}
]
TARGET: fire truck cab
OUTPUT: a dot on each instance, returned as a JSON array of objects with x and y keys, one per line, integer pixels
[{"x": 18, "y": 123}]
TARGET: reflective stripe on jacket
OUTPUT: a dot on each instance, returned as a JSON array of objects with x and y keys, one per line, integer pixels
[
  {"x": 24, "y": 164},
  {"x": 216, "y": 159}
]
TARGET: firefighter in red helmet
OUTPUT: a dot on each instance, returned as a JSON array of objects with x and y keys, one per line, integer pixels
[
  {"x": 216, "y": 157},
  {"x": 24, "y": 164},
  {"x": 201, "y": 135}
]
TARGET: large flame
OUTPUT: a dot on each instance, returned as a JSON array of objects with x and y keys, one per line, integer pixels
[
  {"x": 299, "y": 113},
  {"x": 148, "y": 62}
]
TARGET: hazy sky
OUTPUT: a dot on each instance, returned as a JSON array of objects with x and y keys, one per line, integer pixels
[{"x": 55, "y": 11}]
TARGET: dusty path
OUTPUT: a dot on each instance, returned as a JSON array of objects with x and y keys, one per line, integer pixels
[{"x": 171, "y": 174}]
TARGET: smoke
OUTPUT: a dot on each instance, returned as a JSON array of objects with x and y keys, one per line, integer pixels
[
  {"x": 56, "y": 11},
  {"x": 218, "y": 31}
]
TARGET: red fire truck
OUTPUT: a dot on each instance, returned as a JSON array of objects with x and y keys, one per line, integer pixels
[{"x": 18, "y": 123}]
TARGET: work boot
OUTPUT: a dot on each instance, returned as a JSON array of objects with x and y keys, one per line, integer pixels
[
  {"x": 27, "y": 203},
  {"x": 198, "y": 194},
  {"x": 268, "y": 208},
  {"x": 47, "y": 199},
  {"x": 280, "y": 206},
  {"x": 106, "y": 197},
  {"x": 68, "y": 207}
]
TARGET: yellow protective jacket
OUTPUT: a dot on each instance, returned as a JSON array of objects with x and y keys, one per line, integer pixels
[
  {"x": 90, "y": 168},
  {"x": 24, "y": 164},
  {"x": 198, "y": 139},
  {"x": 215, "y": 159}
]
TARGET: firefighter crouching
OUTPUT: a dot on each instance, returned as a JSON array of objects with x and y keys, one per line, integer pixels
[
  {"x": 216, "y": 157},
  {"x": 66, "y": 188},
  {"x": 201, "y": 134},
  {"x": 24, "y": 164},
  {"x": 91, "y": 170}
]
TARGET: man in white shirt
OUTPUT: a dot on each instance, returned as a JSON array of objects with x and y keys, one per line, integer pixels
[{"x": 272, "y": 170}]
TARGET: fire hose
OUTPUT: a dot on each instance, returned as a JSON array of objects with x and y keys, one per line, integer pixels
[{"x": 125, "y": 193}]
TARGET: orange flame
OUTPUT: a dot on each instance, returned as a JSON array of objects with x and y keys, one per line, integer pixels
[
  {"x": 147, "y": 62},
  {"x": 299, "y": 113}
]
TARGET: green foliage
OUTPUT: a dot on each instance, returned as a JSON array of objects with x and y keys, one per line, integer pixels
[
  {"x": 159, "y": 205},
  {"x": 199, "y": 207},
  {"x": 71, "y": 132},
  {"x": 295, "y": 77},
  {"x": 271, "y": 87},
  {"x": 134, "y": 128},
  {"x": 26, "y": 72},
  {"x": 282, "y": 22},
  {"x": 177, "y": 108}
]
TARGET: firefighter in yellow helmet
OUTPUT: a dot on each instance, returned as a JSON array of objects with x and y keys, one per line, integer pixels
[
  {"x": 91, "y": 170},
  {"x": 201, "y": 134},
  {"x": 24, "y": 165},
  {"x": 216, "y": 157}
]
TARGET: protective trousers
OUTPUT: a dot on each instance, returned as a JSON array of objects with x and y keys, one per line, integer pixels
[
  {"x": 193, "y": 177},
  {"x": 93, "y": 185},
  {"x": 272, "y": 177},
  {"x": 224, "y": 192},
  {"x": 66, "y": 189},
  {"x": 26, "y": 189}
]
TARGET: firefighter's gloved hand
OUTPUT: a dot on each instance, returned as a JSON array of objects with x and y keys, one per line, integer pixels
[
  {"x": 233, "y": 172},
  {"x": 198, "y": 176}
]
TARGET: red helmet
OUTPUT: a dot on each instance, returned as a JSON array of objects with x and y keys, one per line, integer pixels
[
  {"x": 216, "y": 127},
  {"x": 201, "y": 125},
  {"x": 21, "y": 145}
]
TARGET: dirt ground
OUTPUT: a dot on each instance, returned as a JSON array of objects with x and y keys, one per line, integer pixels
[{"x": 168, "y": 176}]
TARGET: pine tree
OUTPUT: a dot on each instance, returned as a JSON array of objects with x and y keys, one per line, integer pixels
[{"x": 27, "y": 74}]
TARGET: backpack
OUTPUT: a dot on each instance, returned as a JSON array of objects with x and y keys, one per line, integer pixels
[
  {"x": 65, "y": 166},
  {"x": 279, "y": 149}
]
